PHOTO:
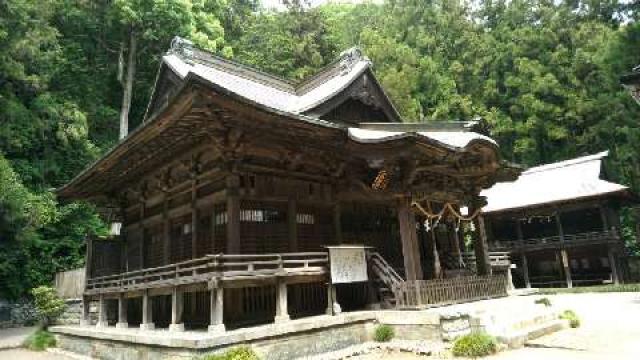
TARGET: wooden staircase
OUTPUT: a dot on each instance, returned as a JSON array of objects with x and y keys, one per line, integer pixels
[{"x": 386, "y": 279}]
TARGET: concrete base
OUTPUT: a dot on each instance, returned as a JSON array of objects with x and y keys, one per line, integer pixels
[
  {"x": 102, "y": 324},
  {"x": 147, "y": 326},
  {"x": 85, "y": 322},
  {"x": 282, "y": 318},
  {"x": 176, "y": 327},
  {"x": 220, "y": 328},
  {"x": 122, "y": 325}
]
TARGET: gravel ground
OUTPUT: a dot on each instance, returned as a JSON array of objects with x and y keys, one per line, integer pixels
[{"x": 23, "y": 354}]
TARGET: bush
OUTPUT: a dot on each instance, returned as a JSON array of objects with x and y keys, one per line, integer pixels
[
  {"x": 48, "y": 304},
  {"x": 239, "y": 353},
  {"x": 383, "y": 333},
  {"x": 572, "y": 317},
  {"x": 475, "y": 345},
  {"x": 544, "y": 301},
  {"x": 40, "y": 340}
]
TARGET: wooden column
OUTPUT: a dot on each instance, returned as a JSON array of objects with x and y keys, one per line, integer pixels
[
  {"x": 194, "y": 217},
  {"x": 525, "y": 271},
  {"x": 481, "y": 247},
  {"x": 292, "y": 222},
  {"x": 166, "y": 241},
  {"x": 282, "y": 308},
  {"x": 122, "y": 312},
  {"x": 432, "y": 248},
  {"x": 566, "y": 266},
  {"x": 147, "y": 312},
  {"x": 102, "y": 312},
  {"x": 86, "y": 309},
  {"x": 233, "y": 214},
  {"x": 604, "y": 217},
  {"x": 88, "y": 266},
  {"x": 216, "y": 300},
  {"x": 142, "y": 233},
  {"x": 613, "y": 265},
  {"x": 177, "y": 307},
  {"x": 409, "y": 239},
  {"x": 337, "y": 222}
]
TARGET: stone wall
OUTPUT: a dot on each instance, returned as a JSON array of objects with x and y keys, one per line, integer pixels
[
  {"x": 17, "y": 314},
  {"x": 73, "y": 313}
]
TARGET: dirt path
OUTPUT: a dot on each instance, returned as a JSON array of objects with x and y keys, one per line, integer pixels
[{"x": 23, "y": 354}]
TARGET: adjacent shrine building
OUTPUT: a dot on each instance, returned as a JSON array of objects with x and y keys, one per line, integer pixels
[
  {"x": 560, "y": 223},
  {"x": 237, "y": 180}
]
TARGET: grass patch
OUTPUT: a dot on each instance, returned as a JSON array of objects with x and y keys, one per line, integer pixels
[
  {"x": 543, "y": 301},
  {"x": 591, "y": 289},
  {"x": 40, "y": 341},
  {"x": 475, "y": 345},
  {"x": 383, "y": 333},
  {"x": 572, "y": 317},
  {"x": 239, "y": 353}
]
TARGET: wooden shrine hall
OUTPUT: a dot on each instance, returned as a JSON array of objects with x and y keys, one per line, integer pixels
[
  {"x": 561, "y": 224},
  {"x": 236, "y": 181}
]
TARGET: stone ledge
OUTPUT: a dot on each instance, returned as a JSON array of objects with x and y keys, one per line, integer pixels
[{"x": 206, "y": 340}]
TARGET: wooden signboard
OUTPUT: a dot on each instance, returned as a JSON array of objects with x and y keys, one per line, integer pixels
[{"x": 348, "y": 264}]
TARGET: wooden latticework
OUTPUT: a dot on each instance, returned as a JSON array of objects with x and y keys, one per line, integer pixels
[
  {"x": 427, "y": 293},
  {"x": 314, "y": 227},
  {"x": 263, "y": 227}
]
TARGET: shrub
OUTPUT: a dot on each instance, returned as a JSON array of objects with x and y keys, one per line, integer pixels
[
  {"x": 572, "y": 317},
  {"x": 40, "y": 340},
  {"x": 239, "y": 353},
  {"x": 48, "y": 304},
  {"x": 544, "y": 301},
  {"x": 383, "y": 333},
  {"x": 475, "y": 345}
]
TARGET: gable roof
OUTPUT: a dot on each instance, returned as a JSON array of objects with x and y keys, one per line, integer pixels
[
  {"x": 269, "y": 90},
  {"x": 578, "y": 178}
]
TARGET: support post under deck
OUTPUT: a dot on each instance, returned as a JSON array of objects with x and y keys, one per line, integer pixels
[
  {"x": 282, "y": 308},
  {"x": 102, "y": 312},
  {"x": 122, "y": 312},
  {"x": 525, "y": 271},
  {"x": 147, "y": 312},
  {"x": 86, "y": 308},
  {"x": 177, "y": 306},
  {"x": 216, "y": 301},
  {"x": 567, "y": 269}
]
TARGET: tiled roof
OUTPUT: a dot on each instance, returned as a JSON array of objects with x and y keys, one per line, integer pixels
[{"x": 562, "y": 181}]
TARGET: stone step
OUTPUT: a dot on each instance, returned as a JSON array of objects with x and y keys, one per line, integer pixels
[{"x": 517, "y": 339}]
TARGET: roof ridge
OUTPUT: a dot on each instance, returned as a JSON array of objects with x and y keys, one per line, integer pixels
[
  {"x": 186, "y": 50},
  {"x": 566, "y": 163}
]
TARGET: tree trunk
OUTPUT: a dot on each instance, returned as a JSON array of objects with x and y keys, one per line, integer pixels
[{"x": 128, "y": 85}]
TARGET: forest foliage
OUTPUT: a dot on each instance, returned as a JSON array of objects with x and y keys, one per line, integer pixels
[{"x": 543, "y": 74}]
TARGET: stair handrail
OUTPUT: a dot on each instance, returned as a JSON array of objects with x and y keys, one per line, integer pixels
[{"x": 384, "y": 271}]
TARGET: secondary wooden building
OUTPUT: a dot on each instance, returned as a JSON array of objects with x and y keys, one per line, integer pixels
[
  {"x": 560, "y": 223},
  {"x": 230, "y": 190}
]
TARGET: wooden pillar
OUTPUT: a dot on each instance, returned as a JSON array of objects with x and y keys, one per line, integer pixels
[
  {"x": 519, "y": 232},
  {"x": 613, "y": 265},
  {"x": 122, "y": 312},
  {"x": 102, "y": 312},
  {"x": 603, "y": 216},
  {"x": 432, "y": 248},
  {"x": 282, "y": 308},
  {"x": 166, "y": 242},
  {"x": 409, "y": 239},
  {"x": 525, "y": 271},
  {"x": 481, "y": 247},
  {"x": 194, "y": 217},
  {"x": 337, "y": 222},
  {"x": 177, "y": 308},
  {"x": 147, "y": 312},
  {"x": 216, "y": 301},
  {"x": 233, "y": 214},
  {"x": 292, "y": 222},
  {"x": 86, "y": 311},
  {"x": 142, "y": 233},
  {"x": 567, "y": 268},
  {"x": 88, "y": 266}
]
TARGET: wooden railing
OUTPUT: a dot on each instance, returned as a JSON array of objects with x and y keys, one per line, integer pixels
[
  {"x": 594, "y": 237},
  {"x": 213, "y": 267},
  {"x": 427, "y": 293},
  {"x": 384, "y": 271},
  {"x": 496, "y": 259}
]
